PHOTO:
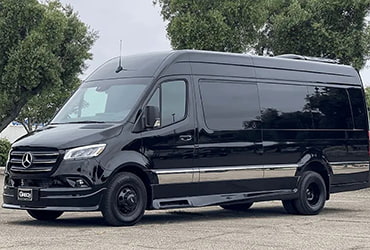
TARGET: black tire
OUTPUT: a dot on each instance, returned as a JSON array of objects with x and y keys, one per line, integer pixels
[
  {"x": 238, "y": 207},
  {"x": 44, "y": 215},
  {"x": 311, "y": 194},
  {"x": 289, "y": 206},
  {"x": 125, "y": 200}
]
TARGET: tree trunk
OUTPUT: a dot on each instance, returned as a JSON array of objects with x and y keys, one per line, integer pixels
[
  {"x": 6, "y": 122},
  {"x": 12, "y": 114},
  {"x": 25, "y": 127}
]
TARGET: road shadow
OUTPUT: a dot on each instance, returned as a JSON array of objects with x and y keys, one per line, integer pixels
[{"x": 174, "y": 216}]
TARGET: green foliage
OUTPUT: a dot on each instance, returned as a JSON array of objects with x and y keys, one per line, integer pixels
[
  {"x": 42, "y": 50},
  {"x": 324, "y": 28},
  {"x": 41, "y": 107},
  {"x": 367, "y": 94},
  {"x": 4, "y": 150},
  {"x": 217, "y": 25}
]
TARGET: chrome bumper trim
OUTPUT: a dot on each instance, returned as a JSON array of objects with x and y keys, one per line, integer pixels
[{"x": 67, "y": 209}]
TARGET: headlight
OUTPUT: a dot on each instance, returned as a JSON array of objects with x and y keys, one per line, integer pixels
[{"x": 84, "y": 152}]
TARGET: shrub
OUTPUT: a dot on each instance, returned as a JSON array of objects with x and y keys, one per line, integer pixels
[{"x": 4, "y": 150}]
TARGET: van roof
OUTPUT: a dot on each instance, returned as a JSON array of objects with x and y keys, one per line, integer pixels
[{"x": 151, "y": 64}]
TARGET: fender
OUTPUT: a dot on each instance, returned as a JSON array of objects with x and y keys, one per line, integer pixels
[
  {"x": 312, "y": 160},
  {"x": 313, "y": 156},
  {"x": 132, "y": 161}
]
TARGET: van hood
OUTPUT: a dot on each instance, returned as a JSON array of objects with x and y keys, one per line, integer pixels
[{"x": 64, "y": 136}]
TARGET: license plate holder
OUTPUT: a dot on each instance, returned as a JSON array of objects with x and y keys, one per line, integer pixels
[{"x": 25, "y": 194}]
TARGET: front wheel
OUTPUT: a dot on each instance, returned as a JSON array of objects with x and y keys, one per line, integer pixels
[
  {"x": 125, "y": 200},
  {"x": 44, "y": 215},
  {"x": 311, "y": 194}
]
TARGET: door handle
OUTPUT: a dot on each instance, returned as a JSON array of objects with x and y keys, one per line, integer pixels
[{"x": 186, "y": 137}]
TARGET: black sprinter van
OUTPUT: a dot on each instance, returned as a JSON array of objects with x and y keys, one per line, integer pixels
[{"x": 193, "y": 128}]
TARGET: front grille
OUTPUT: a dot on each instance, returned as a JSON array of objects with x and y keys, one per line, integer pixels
[{"x": 38, "y": 161}]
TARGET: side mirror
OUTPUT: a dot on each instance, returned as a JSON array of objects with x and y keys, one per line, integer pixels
[{"x": 151, "y": 117}]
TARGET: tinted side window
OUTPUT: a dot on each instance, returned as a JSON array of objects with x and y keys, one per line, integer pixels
[
  {"x": 358, "y": 107},
  {"x": 330, "y": 108},
  {"x": 230, "y": 105},
  {"x": 170, "y": 99},
  {"x": 173, "y": 102},
  {"x": 285, "y": 107}
]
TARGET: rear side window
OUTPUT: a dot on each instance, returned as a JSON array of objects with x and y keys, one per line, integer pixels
[
  {"x": 330, "y": 108},
  {"x": 230, "y": 105},
  {"x": 358, "y": 107},
  {"x": 285, "y": 107}
]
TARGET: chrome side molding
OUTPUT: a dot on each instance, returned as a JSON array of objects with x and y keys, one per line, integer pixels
[
  {"x": 349, "y": 167},
  {"x": 229, "y": 173},
  {"x": 224, "y": 173}
]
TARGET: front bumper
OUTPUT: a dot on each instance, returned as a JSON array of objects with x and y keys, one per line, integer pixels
[{"x": 56, "y": 199}]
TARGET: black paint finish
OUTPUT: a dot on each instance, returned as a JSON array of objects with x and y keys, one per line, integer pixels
[{"x": 307, "y": 114}]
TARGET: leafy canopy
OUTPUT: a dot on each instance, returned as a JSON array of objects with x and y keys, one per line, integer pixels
[
  {"x": 42, "y": 50},
  {"x": 334, "y": 29},
  {"x": 324, "y": 28},
  {"x": 216, "y": 25}
]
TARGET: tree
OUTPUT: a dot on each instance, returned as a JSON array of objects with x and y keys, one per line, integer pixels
[
  {"x": 42, "y": 51},
  {"x": 367, "y": 93},
  {"x": 4, "y": 150},
  {"x": 333, "y": 29},
  {"x": 218, "y": 25},
  {"x": 41, "y": 107}
]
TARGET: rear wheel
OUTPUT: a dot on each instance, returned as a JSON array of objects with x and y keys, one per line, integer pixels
[
  {"x": 125, "y": 200},
  {"x": 238, "y": 207},
  {"x": 44, "y": 215},
  {"x": 311, "y": 194}
]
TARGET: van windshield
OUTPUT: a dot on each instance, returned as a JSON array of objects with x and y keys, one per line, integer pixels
[{"x": 102, "y": 101}]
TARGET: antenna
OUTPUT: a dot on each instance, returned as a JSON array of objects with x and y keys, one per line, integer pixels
[{"x": 120, "y": 68}]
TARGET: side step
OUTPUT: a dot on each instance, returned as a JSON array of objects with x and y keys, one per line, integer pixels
[{"x": 208, "y": 200}]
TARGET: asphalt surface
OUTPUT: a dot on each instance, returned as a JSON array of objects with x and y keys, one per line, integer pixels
[{"x": 343, "y": 224}]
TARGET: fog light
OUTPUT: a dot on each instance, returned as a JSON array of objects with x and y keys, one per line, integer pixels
[
  {"x": 80, "y": 183},
  {"x": 76, "y": 182}
]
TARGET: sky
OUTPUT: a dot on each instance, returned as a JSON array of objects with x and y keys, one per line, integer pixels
[{"x": 137, "y": 23}]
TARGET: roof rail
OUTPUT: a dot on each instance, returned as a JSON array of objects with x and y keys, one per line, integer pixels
[{"x": 309, "y": 58}]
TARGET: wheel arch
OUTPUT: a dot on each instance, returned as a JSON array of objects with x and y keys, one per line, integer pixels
[
  {"x": 135, "y": 163},
  {"x": 146, "y": 176}
]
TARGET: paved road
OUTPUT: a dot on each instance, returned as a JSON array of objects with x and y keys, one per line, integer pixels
[{"x": 344, "y": 224}]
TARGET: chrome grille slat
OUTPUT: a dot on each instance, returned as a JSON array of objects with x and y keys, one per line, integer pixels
[
  {"x": 42, "y": 161},
  {"x": 21, "y": 153}
]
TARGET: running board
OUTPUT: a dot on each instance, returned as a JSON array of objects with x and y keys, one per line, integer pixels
[{"x": 216, "y": 199}]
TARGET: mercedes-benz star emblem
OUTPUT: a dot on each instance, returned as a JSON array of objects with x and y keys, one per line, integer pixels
[{"x": 27, "y": 160}]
